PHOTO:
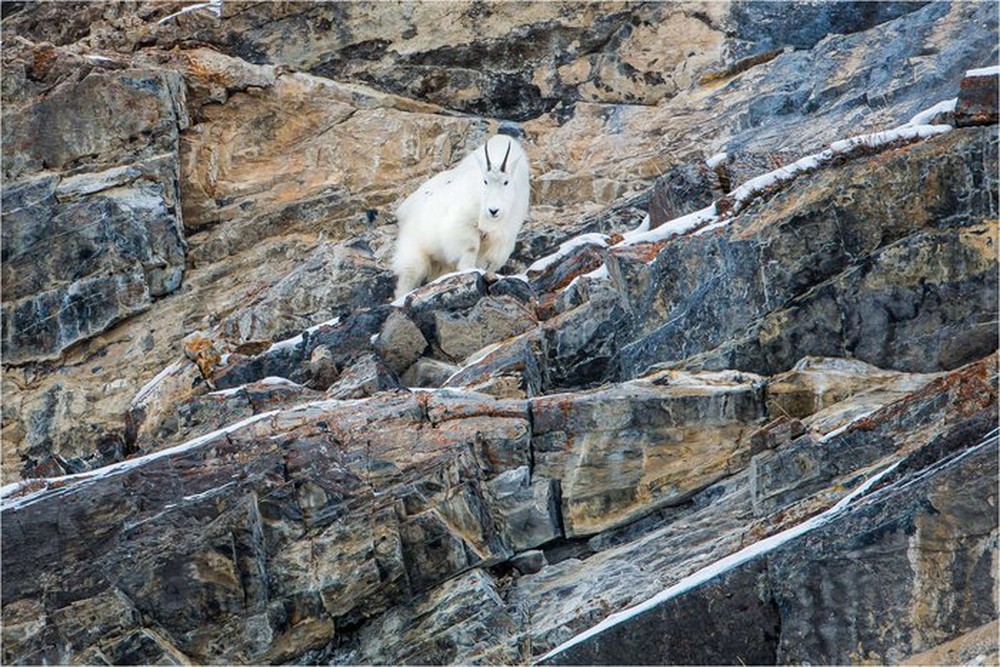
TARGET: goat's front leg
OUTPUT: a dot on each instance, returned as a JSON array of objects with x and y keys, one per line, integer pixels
[{"x": 468, "y": 256}]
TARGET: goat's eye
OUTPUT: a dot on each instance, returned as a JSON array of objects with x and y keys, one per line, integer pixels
[
  {"x": 506, "y": 182},
  {"x": 485, "y": 182}
]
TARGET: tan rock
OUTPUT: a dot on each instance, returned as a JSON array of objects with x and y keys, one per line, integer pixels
[{"x": 623, "y": 451}]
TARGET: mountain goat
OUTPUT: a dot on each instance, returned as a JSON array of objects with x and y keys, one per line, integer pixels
[{"x": 466, "y": 217}]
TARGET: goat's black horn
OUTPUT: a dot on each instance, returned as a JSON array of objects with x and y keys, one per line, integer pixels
[
  {"x": 486, "y": 149},
  {"x": 503, "y": 165}
]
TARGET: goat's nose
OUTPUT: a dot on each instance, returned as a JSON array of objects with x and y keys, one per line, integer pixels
[{"x": 494, "y": 211}]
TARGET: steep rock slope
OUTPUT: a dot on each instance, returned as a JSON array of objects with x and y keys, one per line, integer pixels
[{"x": 762, "y": 430}]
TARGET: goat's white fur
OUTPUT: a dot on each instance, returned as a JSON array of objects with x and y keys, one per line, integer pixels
[{"x": 466, "y": 217}]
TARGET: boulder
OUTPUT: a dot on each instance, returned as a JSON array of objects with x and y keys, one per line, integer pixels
[
  {"x": 491, "y": 320},
  {"x": 400, "y": 342},
  {"x": 977, "y": 98}
]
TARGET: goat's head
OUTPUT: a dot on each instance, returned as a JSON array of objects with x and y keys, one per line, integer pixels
[{"x": 498, "y": 188}]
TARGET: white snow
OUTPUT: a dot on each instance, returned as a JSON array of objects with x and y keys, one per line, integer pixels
[
  {"x": 984, "y": 71},
  {"x": 227, "y": 392},
  {"x": 725, "y": 564},
  {"x": 287, "y": 342},
  {"x": 99, "y": 59},
  {"x": 147, "y": 389},
  {"x": 927, "y": 115},
  {"x": 566, "y": 248},
  {"x": 786, "y": 173},
  {"x": 296, "y": 340},
  {"x": 209, "y": 493},
  {"x": 716, "y": 160},
  {"x": 124, "y": 465},
  {"x": 600, "y": 273},
  {"x": 675, "y": 227},
  {"x": 880, "y": 138},
  {"x": 917, "y": 127},
  {"x": 277, "y": 380},
  {"x": 826, "y": 437},
  {"x": 215, "y": 6}
]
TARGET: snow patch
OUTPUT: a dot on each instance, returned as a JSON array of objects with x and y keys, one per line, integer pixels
[
  {"x": 99, "y": 59},
  {"x": 984, "y": 71},
  {"x": 297, "y": 340},
  {"x": 566, "y": 248},
  {"x": 227, "y": 392},
  {"x": 214, "y": 6},
  {"x": 927, "y": 115},
  {"x": 288, "y": 342},
  {"x": 716, "y": 160},
  {"x": 917, "y": 127},
  {"x": 881, "y": 138},
  {"x": 277, "y": 380},
  {"x": 675, "y": 227}
]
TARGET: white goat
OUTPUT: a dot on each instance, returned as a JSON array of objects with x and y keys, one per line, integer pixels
[{"x": 466, "y": 217}]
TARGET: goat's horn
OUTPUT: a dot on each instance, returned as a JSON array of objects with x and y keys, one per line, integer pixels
[
  {"x": 503, "y": 165},
  {"x": 486, "y": 149}
]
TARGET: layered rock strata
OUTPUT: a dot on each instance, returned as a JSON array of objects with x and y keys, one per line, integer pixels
[{"x": 735, "y": 399}]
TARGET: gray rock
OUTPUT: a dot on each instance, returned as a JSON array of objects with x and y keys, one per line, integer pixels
[
  {"x": 686, "y": 188},
  {"x": 762, "y": 26},
  {"x": 91, "y": 247},
  {"x": 427, "y": 372},
  {"x": 785, "y": 593},
  {"x": 583, "y": 344},
  {"x": 730, "y": 620},
  {"x": 624, "y": 444},
  {"x": 69, "y": 126},
  {"x": 323, "y": 370},
  {"x": 917, "y": 542},
  {"x": 465, "y": 622},
  {"x": 400, "y": 342},
  {"x": 124, "y": 246},
  {"x": 346, "y": 340},
  {"x": 529, "y": 562},
  {"x": 366, "y": 376},
  {"x": 456, "y": 292},
  {"x": 511, "y": 369},
  {"x": 334, "y": 280},
  {"x": 491, "y": 320},
  {"x": 528, "y": 507},
  {"x": 808, "y": 463}
]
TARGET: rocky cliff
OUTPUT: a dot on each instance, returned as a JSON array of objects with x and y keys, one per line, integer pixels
[{"x": 734, "y": 398}]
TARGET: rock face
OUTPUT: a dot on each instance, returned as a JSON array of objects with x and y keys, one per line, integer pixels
[
  {"x": 760, "y": 430},
  {"x": 92, "y": 223}
]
